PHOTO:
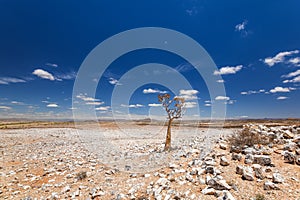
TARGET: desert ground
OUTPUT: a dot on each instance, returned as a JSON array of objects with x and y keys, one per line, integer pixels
[{"x": 125, "y": 160}]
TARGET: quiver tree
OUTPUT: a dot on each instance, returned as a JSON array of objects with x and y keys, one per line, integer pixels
[{"x": 174, "y": 109}]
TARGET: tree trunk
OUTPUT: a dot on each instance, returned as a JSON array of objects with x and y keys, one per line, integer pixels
[{"x": 168, "y": 138}]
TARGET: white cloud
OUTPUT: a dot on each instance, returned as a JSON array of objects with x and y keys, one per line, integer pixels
[
  {"x": 230, "y": 102},
  {"x": 114, "y": 81},
  {"x": 282, "y": 98},
  {"x": 132, "y": 105},
  {"x": 95, "y": 103},
  {"x": 228, "y": 70},
  {"x": 294, "y": 80},
  {"x": 241, "y": 26},
  {"x": 292, "y": 74},
  {"x": 253, "y": 92},
  {"x": 295, "y": 61},
  {"x": 5, "y": 107},
  {"x": 68, "y": 76},
  {"x": 17, "y": 103},
  {"x": 244, "y": 116},
  {"x": 190, "y": 104},
  {"x": 207, "y": 101},
  {"x": 281, "y": 89},
  {"x": 43, "y": 74},
  {"x": 222, "y": 98},
  {"x": 8, "y": 80},
  {"x": 52, "y": 105},
  {"x": 86, "y": 98},
  {"x": 52, "y": 64},
  {"x": 103, "y": 108},
  {"x": 207, "y": 104},
  {"x": 280, "y": 57},
  {"x": 188, "y": 92},
  {"x": 154, "y": 105},
  {"x": 220, "y": 81},
  {"x": 89, "y": 100},
  {"x": 152, "y": 91}
]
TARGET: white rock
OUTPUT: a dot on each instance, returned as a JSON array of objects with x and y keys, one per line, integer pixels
[
  {"x": 268, "y": 185},
  {"x": 277, "y": 178},
  {"x": 208, "y": 191},
  {"x": 224, "y": 161}
]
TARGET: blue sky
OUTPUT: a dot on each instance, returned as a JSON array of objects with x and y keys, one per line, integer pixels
[{"x": 254, "y": 44}]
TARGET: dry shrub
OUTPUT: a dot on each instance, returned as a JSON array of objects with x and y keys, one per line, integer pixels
[
  {"x": 260, "y": 197},
  {"x": 246, "y": 137},
  {"x": 81, "y": 175}
]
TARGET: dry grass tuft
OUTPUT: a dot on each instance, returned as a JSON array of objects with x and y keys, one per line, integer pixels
[{"x": 246, "y": 137}]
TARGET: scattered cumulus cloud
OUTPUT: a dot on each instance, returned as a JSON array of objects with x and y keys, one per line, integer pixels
[
  {"x": 228, "y": 70},
  {"x": 154, "y": 105},
  {"x": 241, "y": 26},
  {"x": 222, "y": 98},
  {"x": 188, "y": 94},
  {"x": 295, "y": 74},
  {"x": 8, "y": 80},
  {"x": 52, "y": 64},
  {"x": 294, "y": 80},
  {"x": 86, "y": 98},
  {"x": 132, "y": 106},
  {"x": 279, "y": 58},
  {"x": 295, "y": 61},
  {"x": 253, "y": 92},
  {"x": 52, "y": 105},
  {"x": 220, "y": 81},
  {"x": 5, "y": 107},
  {"x": 68, "y": 76},
  {"x": 292, "y": 74},
  {"x": 17, "y": 103},
  {"x": 43, "y": 74},
  {"x": 190, "y": 104},
  {"x": 207, "y": 104},
  {"x": 89, "y": 100},
  {"x": 95, "y": 103},
  {"x": 281, "y": 89},
  {"x": 114, "y": 81},
  {"x": 103, "y": 108},
  {"x": 282, "y": 98},
  {"x": 152, "y": 91}
]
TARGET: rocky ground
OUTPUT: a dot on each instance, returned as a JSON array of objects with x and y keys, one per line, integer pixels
[{"x": 54, "y": 163}]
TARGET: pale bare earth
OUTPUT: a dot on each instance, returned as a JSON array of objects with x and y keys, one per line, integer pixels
[{"x": 61, "y": 163}]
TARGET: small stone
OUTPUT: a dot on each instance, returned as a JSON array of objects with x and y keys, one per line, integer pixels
[
  {"x": 226, "y": 196},
  {"x": 258, "y": 171},
  {"x": 288, "y": 134},
  {"x": 249, "y": 159},
  {"x": 298, "y": 160},
  {"x": 66, "y": 189},
  {"x": 239, "y": 169},
  {"x": 268, "y": 185},
  {"x": 248, "y": 174},
  {"x": 262, "y": 160},
  {"x": 147, "y": 175},
  {"x": 172, "y": 166},
  {"x": 223, "y": 146},
  {"x": 289, "y": 157},
  {"x": 277, "y": 178},
  {"x": 208, "y": 191},
  {"x": 236, "y": 157},
  {"x": 224, "y": 161},
  {"x": 210, "y": 170},
  {"x": 218, "y": 184},
  {"x": 162, "y": 182}
]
